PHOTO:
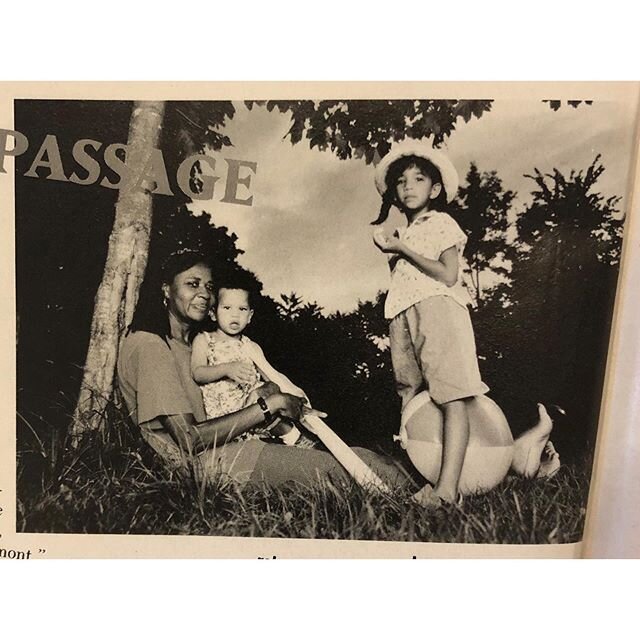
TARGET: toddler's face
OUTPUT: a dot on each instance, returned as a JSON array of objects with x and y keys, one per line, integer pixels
[
  {"x": 415, "y": 189},
  {"x": 233, "y": 312}
]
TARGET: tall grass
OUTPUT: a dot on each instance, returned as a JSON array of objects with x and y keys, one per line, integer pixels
[{"x": 113, "y": 483}]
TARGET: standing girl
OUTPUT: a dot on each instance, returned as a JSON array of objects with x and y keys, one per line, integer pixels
[{"x": 432, "y": 341}]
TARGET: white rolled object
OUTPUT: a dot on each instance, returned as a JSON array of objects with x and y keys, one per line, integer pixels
[
  {"x": 489, "y": 452},
  {"x": 354, "y": 465}
]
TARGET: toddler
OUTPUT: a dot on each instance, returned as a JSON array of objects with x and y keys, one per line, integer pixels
[{"x": 232, "y": 369}]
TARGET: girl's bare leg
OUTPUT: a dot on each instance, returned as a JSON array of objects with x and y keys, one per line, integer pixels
[
  {"x": 529, "y": 447},
  {"x": 454, "y": 448},
  {"x": 549, "y": 462}
]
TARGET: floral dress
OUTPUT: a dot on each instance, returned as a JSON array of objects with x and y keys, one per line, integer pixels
[{"x": 226, "y": 396}]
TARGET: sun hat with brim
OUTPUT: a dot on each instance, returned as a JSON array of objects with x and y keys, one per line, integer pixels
[{"x": 421, "y": 150}]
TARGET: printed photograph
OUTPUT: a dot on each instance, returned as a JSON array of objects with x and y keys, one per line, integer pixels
[{"x": 344, "y": 319}]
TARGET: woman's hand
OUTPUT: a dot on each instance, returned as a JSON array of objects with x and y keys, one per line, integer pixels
[
  {"x": 267, "y": 389},
  {"x": 240, "y": 372},
  {"x": 286, "y": 405}
]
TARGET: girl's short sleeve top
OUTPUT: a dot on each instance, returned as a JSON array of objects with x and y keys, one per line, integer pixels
[{"x": 429, "y": 235}]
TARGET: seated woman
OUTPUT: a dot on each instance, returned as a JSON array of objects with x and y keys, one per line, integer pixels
[{"x": 154, "y": 374}]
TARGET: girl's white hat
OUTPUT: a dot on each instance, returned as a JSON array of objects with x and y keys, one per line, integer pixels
[{"x": 411, "y": 147}]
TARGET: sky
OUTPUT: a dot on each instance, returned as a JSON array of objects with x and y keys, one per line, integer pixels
[{"x": 307, "y": 230}]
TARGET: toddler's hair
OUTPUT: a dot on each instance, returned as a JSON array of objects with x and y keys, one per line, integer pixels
[
  {"x": 237, "y": 279},
  {"x": 394, "y": 173}
]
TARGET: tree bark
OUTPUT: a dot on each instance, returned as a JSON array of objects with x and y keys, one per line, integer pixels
[{"x": 123, "y": 272}]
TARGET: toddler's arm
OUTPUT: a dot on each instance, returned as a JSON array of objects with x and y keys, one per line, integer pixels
[
  {"x": 255, "y": 352},
  {"x": 203, "y": 373}
]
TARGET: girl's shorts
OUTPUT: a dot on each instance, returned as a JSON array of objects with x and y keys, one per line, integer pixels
[{"x": 433, "y": 347}]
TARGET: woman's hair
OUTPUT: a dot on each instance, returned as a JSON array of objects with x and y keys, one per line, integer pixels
[
  {"x": 151, "y": 314},
  {"x": 394, "y": 173}
]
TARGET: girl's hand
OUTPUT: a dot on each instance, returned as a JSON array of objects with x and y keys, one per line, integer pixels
[
  {"x": 388, "y": 244},
  {"x": 241, "y": 372}
]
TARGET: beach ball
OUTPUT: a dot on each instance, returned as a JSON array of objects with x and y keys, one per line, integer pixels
[{"x": 489, "y": 453}]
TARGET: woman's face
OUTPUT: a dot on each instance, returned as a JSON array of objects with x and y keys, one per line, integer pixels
[{"x": 190, "y": 295}]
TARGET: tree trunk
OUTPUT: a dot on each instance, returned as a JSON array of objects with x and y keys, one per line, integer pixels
[{"x": 123, "y": 272}]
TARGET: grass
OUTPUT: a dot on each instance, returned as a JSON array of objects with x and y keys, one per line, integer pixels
[{"x": 112, "y": 484}]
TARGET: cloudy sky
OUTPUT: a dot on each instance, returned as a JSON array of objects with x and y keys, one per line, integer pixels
[{"x": 308, "y": 228}]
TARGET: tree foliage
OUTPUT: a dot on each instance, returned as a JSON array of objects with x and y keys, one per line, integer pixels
[
  {"x": 367, "y": 128},
  {"x": 550, "y": 343},
  {"x": 556, "y": 104},
  {"x": 572, "y": 206},
  {"x": 193, "y": 126},
  {"x": 482, "y": 208}
]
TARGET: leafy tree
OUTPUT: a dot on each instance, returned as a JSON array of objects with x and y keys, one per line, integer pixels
[
  {"x": 292, "y": 306},
  {"x": 553, "y": 337},
  {"x": 124, "y": 270},
  {"x": 570, "y": 207},
  {"x": 188, "y": 127},
  {"x": 368, "y": 128},
  {"x": 340, "y": 360},
  {"x": 556, "y": 104},
  {"x": 482, "y": 209}
]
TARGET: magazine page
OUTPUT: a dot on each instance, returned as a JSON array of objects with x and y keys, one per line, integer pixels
[
  {"x": 613, "y": 522},
  {"x": 280, "y": 320}
]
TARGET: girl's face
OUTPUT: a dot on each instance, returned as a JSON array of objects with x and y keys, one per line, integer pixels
[
  {"x": 414, "y": 190},
  {"x": 233, "y": 312},
  {"x": 190, "y": 294}
]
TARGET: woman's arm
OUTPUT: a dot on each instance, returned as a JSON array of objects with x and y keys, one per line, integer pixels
[{"x": 193, "y": 437}]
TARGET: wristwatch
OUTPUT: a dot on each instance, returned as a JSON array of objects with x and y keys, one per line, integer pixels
[{"x": 262, "y": 403}]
